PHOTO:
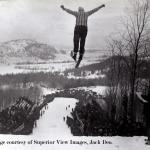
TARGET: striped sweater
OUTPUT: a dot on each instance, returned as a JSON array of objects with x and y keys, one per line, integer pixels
[{"x": 82, "y": 16}]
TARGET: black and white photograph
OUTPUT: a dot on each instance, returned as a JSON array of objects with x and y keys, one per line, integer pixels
[{"x": 74, "y": 74}]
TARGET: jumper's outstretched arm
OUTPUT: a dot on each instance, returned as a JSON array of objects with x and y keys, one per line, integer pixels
[
  {"x": 74, "y": 13},
  {"x": 95, "y": 10},
  {"x": 140, "y": 97}
]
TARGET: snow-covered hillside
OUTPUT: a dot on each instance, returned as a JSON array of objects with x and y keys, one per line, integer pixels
[
  {"x": 29, "y": 55},
  {"x": 52, "y": 133},
  {"x": 101, "y": 90},
  {"x": 56, "y": 112},
  {"x": 25, "y": 50},
  {"x": 87, "y": 75}
]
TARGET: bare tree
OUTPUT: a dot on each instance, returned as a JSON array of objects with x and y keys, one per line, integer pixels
[{"x": 133, "y": 44}]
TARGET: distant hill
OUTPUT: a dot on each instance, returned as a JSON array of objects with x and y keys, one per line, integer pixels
[{"x": 23, "y": 50}]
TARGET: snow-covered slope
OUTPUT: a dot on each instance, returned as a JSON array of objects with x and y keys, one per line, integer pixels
[
  {"x": 55, "y": 125},
  {"x": 25, "y": 50},
  {"x": 29, "y": 55},
  {"x": 101, "y": 90},
  {"x": 53, "y": 134}
]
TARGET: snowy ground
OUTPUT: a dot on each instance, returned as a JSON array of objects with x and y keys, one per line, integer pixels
[
  {"x": 55, "y": 124},
  {"x": 46, "y": 91},
  {"x": 47, "y": 67},
  {"x": 101, "y": 90},
  {"x": 61, "y": 63},
  {"x": 52, "y": 133},
  {"x": 87, "y": 75},
  {"x": 9, "y": 69}
]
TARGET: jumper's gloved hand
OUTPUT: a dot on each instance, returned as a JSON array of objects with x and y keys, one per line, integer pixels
[{"x": 62, "y": 6}]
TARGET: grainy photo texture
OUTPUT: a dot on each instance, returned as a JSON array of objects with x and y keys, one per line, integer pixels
[{"x": 74, "y": 74}]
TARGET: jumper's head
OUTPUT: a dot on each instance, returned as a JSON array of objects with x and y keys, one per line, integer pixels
[{"x": 80, "y": 9}]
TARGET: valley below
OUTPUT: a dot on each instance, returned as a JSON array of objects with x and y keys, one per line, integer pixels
[{"x": 48, "y": 102}]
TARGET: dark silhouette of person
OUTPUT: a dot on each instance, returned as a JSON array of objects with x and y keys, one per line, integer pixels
[
  {"x": 64, "y": 118},
  {"x": 81, "y": 29},
  {"x": 145, "y": 99}
]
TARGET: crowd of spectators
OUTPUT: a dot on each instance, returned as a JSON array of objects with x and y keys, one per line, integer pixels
[
  {"x": 18, "y": 118},
  {"x": 88, "y": 117}
]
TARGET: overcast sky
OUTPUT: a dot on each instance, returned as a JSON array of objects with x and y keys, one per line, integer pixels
[{"x": 44, "y": 21}]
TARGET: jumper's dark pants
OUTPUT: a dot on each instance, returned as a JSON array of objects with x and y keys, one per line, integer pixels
[{"x": 80, "y": 33}]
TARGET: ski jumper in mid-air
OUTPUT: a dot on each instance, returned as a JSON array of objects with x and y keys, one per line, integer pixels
[{"x": 80, "y": 31}]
